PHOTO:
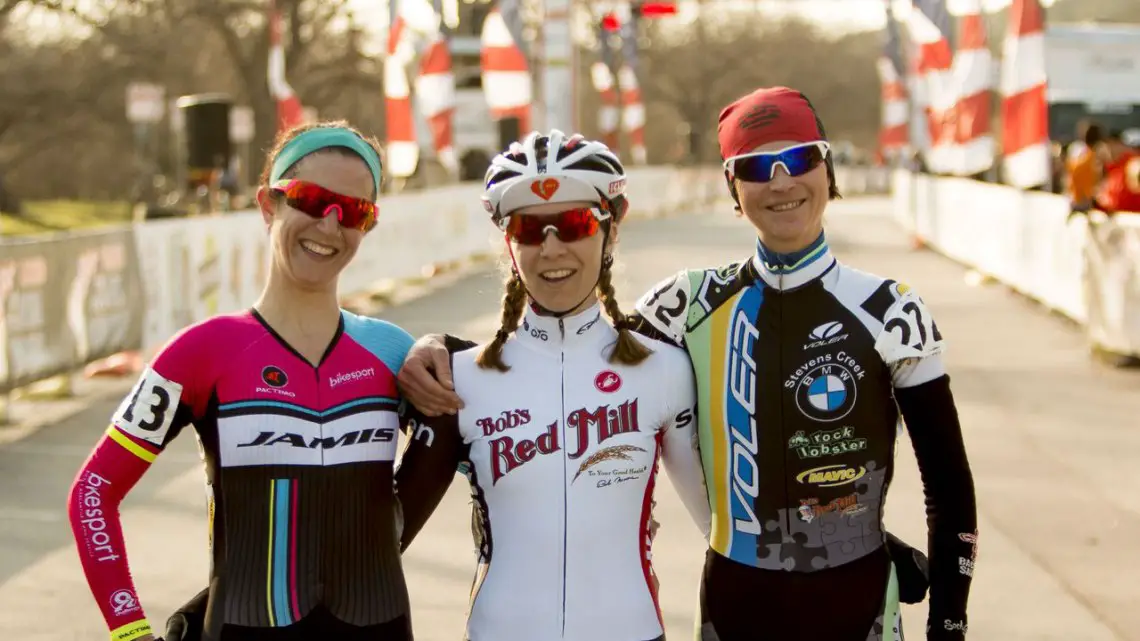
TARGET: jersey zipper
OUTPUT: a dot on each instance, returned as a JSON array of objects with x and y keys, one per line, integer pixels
[
  {"x": 565, "y": 462},
  {"x": 319, "y": 588}
]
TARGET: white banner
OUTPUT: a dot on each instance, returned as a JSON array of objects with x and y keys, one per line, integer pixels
[{"x": 197, "y": 267}]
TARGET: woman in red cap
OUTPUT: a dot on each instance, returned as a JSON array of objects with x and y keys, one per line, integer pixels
[{"x": 803, "y": 366}]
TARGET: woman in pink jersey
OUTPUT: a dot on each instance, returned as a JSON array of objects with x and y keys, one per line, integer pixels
[{"x": 294, "y": 403}]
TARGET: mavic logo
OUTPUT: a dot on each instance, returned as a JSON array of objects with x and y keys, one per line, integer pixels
[{"x": 825, "y": 334}]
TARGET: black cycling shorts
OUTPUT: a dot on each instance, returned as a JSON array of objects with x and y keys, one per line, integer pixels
[
  {"x": 743, "y": 603},
  {"x": 321, "y": 624}
]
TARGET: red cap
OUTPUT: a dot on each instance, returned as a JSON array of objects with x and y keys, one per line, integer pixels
[{"x": 765, "y": 115}]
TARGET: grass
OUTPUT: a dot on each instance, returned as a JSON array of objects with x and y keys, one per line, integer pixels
[{"x": 61, "y": 215}]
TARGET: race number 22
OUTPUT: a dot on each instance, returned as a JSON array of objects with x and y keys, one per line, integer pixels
[{"x": 909, "y": 331}]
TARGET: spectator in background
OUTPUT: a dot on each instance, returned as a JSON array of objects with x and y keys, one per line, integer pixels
[
  {"x": 1120, "y": 190},
  {"x": 1057, "y": 167},
  {"x": 1085, "y": 166}
]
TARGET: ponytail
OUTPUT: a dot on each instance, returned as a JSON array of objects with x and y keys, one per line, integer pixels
[{"x": 514, "y": 302}]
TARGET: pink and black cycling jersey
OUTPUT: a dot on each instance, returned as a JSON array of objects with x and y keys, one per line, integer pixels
[{"x": 299, "y": 472}]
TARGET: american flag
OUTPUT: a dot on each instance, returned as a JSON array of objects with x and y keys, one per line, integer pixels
[
  {"x": 893, "y": 136},
  {"x": 1025, "y": 120}
]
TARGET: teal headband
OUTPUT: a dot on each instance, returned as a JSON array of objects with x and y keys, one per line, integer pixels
[{"x": 322, "y": 138}]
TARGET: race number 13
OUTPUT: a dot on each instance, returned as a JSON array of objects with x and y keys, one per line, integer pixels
[{"x": 148, "y": 412}]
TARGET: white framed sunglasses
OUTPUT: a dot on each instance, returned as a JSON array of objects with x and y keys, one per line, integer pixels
[{"x": 760, "y": 166}]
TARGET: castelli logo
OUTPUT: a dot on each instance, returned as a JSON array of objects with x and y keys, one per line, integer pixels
[
  {"x": 608, "y": 382},
  {"x": 544, "y": 188}
]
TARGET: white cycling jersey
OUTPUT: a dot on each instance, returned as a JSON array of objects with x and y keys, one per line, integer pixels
[{"x": 562, "y": 456}]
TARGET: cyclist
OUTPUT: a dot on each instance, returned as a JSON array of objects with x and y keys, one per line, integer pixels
[
  {"x": 569, "y": 413},
  {"x": 803, "y": 366},
  {"x": 294, "y": 403}
]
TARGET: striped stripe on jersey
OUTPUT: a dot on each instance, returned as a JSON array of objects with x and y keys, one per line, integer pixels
[
  {"x": 281, "y": 408},
  {"x": 722, "y": 350},
  {"x": 281, "y": 578},
  {"x": 140, "y": 448}
]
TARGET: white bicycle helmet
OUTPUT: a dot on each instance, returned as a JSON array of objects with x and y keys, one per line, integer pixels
[{"x": 553, "y": 169}]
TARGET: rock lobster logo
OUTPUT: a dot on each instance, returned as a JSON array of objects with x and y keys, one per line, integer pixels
[{"x": 544, "y": 188}]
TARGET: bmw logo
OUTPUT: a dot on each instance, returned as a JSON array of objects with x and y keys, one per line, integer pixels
[{"x": 826, "y": 393}]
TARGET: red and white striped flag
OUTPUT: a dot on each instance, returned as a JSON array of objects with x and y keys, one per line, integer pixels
[
  {"x": 1024, "y": 110},
  {"x": 602, "y": 76},
  {"x": 403, "y": 152},
  {"x": 633, "y": 113},
  {"x": 971, "y": 141},
  {"x": 633, "y": 110},
  {"x": 893, "y": 133},
  {"x": 955, "y": 86},
  {"x": 435, "y": 96},
  {"x": 290, "y": 112},
  {"x": 928, "y": 24},
  {"x": 506, "y": 75},
  {"x": 603, "y": 79}
]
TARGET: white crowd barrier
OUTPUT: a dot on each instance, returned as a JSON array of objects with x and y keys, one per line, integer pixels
[
  {"x": 69, "y": 298},
  {"x": 857, "y": 179},
  {"x": 195, "y": 268},
  {"x": 1085, "y": 268},
  {"x": 198, "y": 267}
]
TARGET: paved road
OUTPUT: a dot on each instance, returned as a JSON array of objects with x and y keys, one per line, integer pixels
[{"x": 1053, "y": 440}]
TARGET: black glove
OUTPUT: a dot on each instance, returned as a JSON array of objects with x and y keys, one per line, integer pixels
[
  {"x": 187, "y": 623},
  {"x": 912, "y": 569}
]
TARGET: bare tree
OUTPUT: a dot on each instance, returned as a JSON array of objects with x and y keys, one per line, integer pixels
[
  {"x": 689, "y": 77},
  {"x": 63, "y": 127}
]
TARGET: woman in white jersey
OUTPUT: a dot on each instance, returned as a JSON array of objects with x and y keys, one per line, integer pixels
[{"x": 567, "y": 415}]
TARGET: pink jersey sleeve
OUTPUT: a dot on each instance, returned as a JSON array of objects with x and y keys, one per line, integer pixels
[
  {"x": 93, "y": 507},
  {"x": 169, "y": 394}
]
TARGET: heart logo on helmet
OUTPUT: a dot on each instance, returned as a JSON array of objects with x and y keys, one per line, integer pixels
[{"x": 544, "y": 189}]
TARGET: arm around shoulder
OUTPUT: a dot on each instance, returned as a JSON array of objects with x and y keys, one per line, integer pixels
[{"x": 429, "y": 463}]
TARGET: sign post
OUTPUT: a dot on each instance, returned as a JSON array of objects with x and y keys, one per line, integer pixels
[
  {"x": 146, "y": 102},
  {"x": 241, "y": 133},
  {"x": 146, "y": 105}
]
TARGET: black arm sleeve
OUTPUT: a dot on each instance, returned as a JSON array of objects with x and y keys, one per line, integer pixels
[
  {"x": 635, "y": 322},
  {"x": 951, "y": 509},
  {"x": 427, "y": 469},
  {"x": 429, "y": 462}
]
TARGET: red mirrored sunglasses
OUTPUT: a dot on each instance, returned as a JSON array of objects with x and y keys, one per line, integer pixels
[
  {"x": 570, "y": 225},
  {"x": 318, "y": 202}
]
